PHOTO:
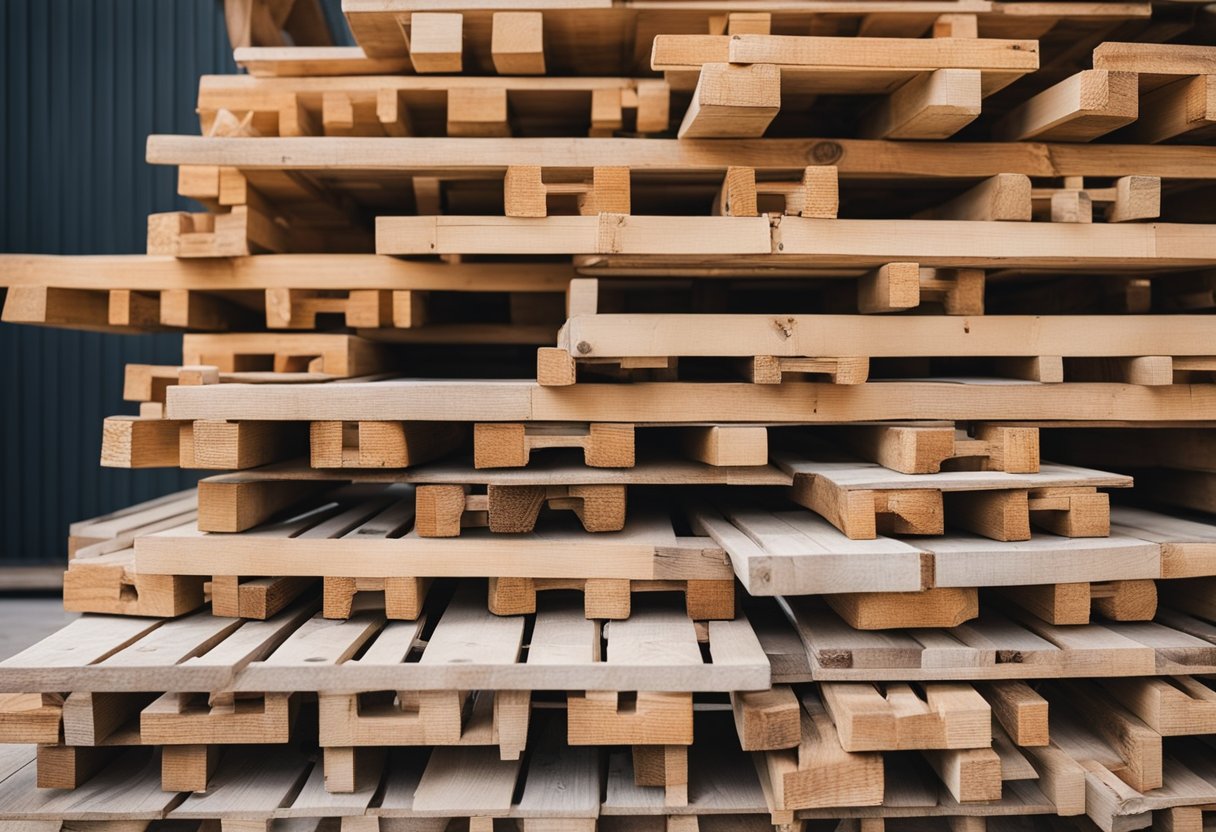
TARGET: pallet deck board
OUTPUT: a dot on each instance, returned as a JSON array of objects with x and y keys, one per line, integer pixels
[{"x": 694, "y": 403}]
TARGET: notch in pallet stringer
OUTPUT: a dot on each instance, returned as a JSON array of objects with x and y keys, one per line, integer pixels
[
  {"x": 771, "y": 369},
  {"x": 816, "y": 194},
  {"x": 525, "y": 194},
  {"x": 444, "y": 509},
  {"x": 400, "y": 597},
  {"x": 510, "y": 445}
]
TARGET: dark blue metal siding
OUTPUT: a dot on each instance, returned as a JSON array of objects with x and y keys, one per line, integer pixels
[{"x": 83, "y": 84}]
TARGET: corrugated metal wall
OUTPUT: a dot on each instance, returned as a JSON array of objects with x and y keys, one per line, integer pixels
[{"x": 83, "y": 84}]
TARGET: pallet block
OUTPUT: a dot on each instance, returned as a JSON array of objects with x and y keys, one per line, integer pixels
[
  {"x": 30, "y": 718},
  {"x": 403, "y": 597},
  {"x": 615, "y": 718},
  {"x": 444, "y": 509},
  {"x": 612, "y": 599},
  {"x": 258, "y": 598},
  {"x": 815, "y": 194},
  {"x": 1082, "y": 107},
  {"x": 932, "y": 607},
  {"x": 767, "y": 720},
  {"x": 511, "y": 445},
  {"x": 108, "y": 582}
]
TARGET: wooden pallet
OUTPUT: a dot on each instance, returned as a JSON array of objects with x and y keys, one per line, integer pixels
[
  {"x": 860, "y": 498},
  {"x": 598, "y": 38},
  {"x": 483, "y": 652},
  {"x": 285, "y": 291}
]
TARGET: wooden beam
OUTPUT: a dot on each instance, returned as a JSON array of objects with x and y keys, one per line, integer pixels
[
  {"x": 935, "y": 105},
  {"x": 1080, "y": 108}
]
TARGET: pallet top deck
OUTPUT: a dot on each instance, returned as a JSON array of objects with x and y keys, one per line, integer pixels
[{"x": 466, "y": 648}]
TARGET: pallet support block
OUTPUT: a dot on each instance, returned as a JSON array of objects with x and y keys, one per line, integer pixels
[
  {"x": 664, "y": 766},
  {"x": 733, "y": 100},
  {"x": 934, "y": 607},
  {"x": 726, "y": 445},
  {"x": 506, "y": 445},
  {"x": 381, "y": 444},
  {"x": 767, "y": 719},
  {"x": 403, "y": 597},
  {"x": 861, "y": 514},
  {"x": 525, "y": 194},
  {"x": 935, "y": 105},
  {"x": 436, "y": 42},
  {"x": 1080, "y": 108},
  {"x": 187, "y": 768},
  {"x": 478, "y": 112},
  {"x": 517, "y": 43}
]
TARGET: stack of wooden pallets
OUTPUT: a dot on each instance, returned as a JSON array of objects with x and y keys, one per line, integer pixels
[{"x": 591, "y": 448}]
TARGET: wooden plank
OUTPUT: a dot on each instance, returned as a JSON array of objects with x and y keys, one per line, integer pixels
[
  {"x": 602, "y": 234},
  {"x": 608, "y": 335},
  {"x": 1079, "y": 108},
  {"x": 466, "y": 782},
  {"x": 865, "y": 158},
  {"x": 797, "y": 553},
  {"x": 675, "y": 402}
]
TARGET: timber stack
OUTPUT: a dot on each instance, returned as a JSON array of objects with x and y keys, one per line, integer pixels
[{"x": 665, "y": 415}]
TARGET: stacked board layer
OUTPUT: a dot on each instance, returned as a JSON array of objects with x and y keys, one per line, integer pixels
[{"x": 655, "y": 416}]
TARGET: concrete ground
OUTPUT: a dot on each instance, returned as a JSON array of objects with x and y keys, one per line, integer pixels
[{"x": 25, "y": 620}]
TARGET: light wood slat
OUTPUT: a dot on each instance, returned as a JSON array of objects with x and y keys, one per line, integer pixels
[
  {"x": 646, "y": 549},
  {"x": 654, "y": 635},
  {"x": 81, "y": 643},
  {"x": 1188, "y": 547},
  {"x": 466, "y": 781},
  {"x": 562, "y": 655},
  {"x": 856, "y": 474},
  {"x": 139, "y": 272},
  {"x": 667, "y": 402},
  {"x": 964, "y": 560},
  {"x": 249, "y": 787},
  {"x": 127, "y": 789},
  {"x": 600, "y": 234},
  {"x": 563, "y": 781},
  {"x": 609, "y": 335},
  {"x": 799, "y": 553},
  {"x": 562, "y": 634},
  {"x": 541, "y": 470},
  {"x": 315, "y": 801},
  {"x": 853, "y": 157}
]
